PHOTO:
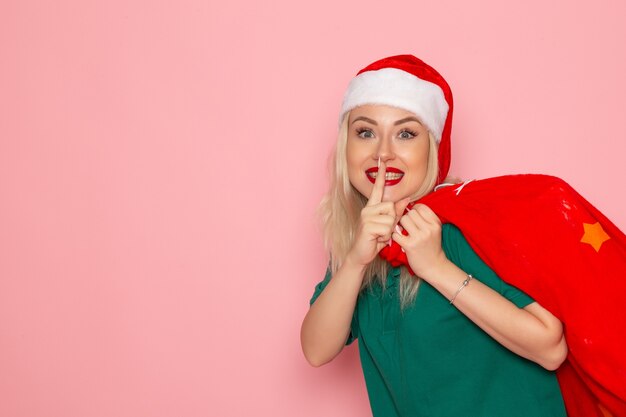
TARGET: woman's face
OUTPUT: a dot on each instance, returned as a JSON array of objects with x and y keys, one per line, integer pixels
[{"x": 398, "y": 138}]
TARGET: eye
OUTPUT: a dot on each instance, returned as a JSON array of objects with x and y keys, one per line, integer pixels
[
  {"x": 407, "y": 134},
  {"x": 364, "y": 133}
]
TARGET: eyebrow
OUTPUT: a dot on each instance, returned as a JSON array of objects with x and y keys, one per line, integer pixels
[
  {"x": 396, "y": 123},
  {"x": 407, "y": 119},
  {"x": 365, "y": 119}
]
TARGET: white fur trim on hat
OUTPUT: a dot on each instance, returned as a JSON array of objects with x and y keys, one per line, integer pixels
[{"x": 398, "y": 88}]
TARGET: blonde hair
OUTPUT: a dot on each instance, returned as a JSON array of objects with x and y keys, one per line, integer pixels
[{"x": 340, "y": 209}]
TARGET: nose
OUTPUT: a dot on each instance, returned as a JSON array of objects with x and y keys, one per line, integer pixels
[{"x": 384, "y": 151}]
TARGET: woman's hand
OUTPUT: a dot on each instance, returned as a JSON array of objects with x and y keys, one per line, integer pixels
[
  {"x": 423, "y": 244},
  {"x": 376, "y": 223}
]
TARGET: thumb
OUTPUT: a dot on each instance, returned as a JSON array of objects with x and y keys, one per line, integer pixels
[{"x": 401, "y": 205}]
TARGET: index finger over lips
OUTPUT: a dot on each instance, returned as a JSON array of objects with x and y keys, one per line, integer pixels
[{"x": 379, "y": 185}]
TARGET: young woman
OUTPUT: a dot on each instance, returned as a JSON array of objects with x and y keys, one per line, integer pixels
[{"x": 444, "y": 336}]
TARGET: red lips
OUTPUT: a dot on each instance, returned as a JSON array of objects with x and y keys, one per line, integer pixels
[{"x": 387, "y": 182}]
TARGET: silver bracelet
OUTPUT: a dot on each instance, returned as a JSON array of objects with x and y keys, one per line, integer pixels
[{"x": 463, "y": 285}]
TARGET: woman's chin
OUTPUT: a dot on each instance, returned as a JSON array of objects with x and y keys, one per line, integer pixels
[{"x": 393, "y": 196}]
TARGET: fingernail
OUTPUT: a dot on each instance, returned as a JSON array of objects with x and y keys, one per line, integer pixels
[
  {"x": 402, "y": 249},
  {"x": 398, "y": 229}
]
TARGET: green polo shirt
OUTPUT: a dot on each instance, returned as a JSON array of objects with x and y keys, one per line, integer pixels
[{"x": 431, "y": 360}]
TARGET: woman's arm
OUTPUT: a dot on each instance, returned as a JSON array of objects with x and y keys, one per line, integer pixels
[
  {"x": 326, "y": 326},
  {"x": 531, "y": 332}
]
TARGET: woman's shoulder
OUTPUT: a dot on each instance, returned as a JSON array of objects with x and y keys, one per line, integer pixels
[
  {"x": 451, "y": 235},
  {"x": 457, "y": 248}
]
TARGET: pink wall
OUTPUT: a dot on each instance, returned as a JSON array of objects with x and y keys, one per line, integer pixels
[{"x": 160, "y": 164}]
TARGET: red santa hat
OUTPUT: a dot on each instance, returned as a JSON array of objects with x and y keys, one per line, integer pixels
[{"x": 407, "y": 82}]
